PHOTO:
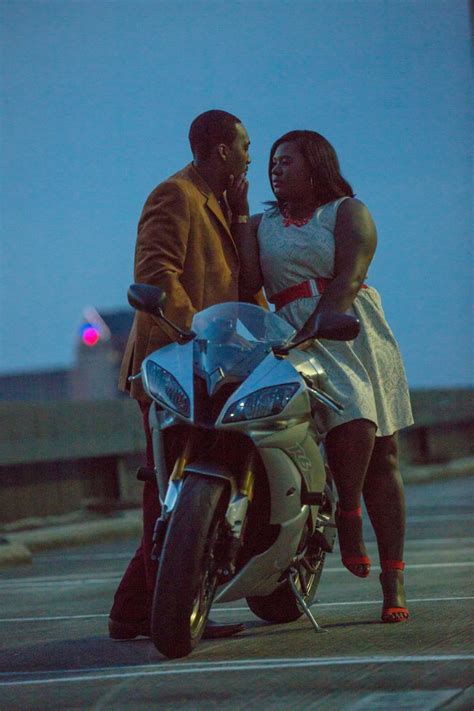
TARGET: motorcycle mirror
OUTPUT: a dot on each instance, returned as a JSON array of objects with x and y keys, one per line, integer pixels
[
  {"x": 144, "y": 297},
  {"x": 151, "y": 299}
]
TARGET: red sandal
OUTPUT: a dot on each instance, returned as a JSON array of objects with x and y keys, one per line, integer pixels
[
  {"x": 349, "y": 527},
  {"x": 392, "y": 586}
]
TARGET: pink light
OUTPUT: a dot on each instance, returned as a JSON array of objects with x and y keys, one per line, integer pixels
[{"x": 90, "y": 336}]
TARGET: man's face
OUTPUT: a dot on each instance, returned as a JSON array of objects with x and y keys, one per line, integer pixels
[{"x": 238, "y": 157}]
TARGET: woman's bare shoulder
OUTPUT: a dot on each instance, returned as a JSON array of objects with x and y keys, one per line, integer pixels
[
  {"x": 352, "y": 207},
  {"x": 353, "y": 217}
]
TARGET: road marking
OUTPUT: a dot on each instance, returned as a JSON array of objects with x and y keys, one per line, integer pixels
[
  {"x": 53, "y": 618},
  {"x": 439, "y": 517},
  {"x": 70, "y": 580},
  {"x": 410, "y": 601},
  {"x": 50, "y": 557},
  {"x": 170, "y": 668},
  {"x": 414, "y": 699},
  {"x": 56, "y": 618},
  {"x": 67, "y": 557},
  {"x": 59, "y": 582}
]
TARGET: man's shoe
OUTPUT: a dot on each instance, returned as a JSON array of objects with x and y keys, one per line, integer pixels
[
  {"x": 214, "y": 630},
  {"x": 131, "y": 630}
]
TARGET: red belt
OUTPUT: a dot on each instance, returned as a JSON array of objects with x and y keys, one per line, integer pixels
[{"x": 310, "y": 287}]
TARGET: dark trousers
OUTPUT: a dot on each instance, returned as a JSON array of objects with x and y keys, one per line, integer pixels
[{"x": 132, "y": 599}]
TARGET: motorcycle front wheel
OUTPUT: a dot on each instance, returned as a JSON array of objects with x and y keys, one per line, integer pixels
[{"x": 188, "y": 567}]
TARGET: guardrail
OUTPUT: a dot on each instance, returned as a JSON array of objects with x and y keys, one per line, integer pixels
[{"x": 59, "y": 457}]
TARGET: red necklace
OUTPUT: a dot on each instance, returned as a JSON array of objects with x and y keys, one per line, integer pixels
[{"x": 296, "y": 221}]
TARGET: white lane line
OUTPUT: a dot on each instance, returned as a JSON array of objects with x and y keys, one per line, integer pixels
[
  {"x": 413, "y": 699},
  {"x": 170, "y": 669},
  {"x": 421, "y": 518},
  {"x": 410, "y": 601},
  {"x": 58, "y": 618},
  {"x": 53, "y": 618},
  {"x": 67, "y": 557},
  {"x": 72, "y": 577},
  {"x": 50, "y": 557},
  {"x": 20, "y": 584},
  {"x": 57, "y": 583},
  {"x": 68, "y": 581},
  {"x": 465, "y": 540}
]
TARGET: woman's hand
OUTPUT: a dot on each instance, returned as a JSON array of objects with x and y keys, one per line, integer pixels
[{"x": 237, "y": 193}]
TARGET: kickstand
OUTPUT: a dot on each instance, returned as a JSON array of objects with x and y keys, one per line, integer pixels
[{"x": 291, "y": 579}]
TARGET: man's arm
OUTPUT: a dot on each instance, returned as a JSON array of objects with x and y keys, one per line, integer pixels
[
  {"x": 251, "y": 280},
  {"x": 163, "y": 233}
]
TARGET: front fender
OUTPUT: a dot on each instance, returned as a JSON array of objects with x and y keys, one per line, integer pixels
[{"x": 212, "y": 470}]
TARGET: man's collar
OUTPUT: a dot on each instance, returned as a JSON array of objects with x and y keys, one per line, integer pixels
[{"x": 198, "y": 180}]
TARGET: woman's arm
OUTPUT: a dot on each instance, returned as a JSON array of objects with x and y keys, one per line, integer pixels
[
  {"x": 356, "y": 239},
  {"x": 251, "y": 280}
]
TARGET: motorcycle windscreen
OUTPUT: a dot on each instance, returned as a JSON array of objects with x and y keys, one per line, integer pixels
[{"x": 232, "y": 339}]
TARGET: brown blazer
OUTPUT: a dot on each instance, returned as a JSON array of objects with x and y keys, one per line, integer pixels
[{"x": 185, "y": 247}]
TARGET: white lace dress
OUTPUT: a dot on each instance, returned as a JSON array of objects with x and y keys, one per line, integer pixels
[{"x": 366, "y": 373}]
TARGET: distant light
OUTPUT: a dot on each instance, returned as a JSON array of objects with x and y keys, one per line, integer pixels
[{"x": 90, "y": 335}]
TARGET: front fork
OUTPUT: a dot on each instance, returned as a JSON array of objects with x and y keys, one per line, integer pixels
[{"x": 241, "y": 491}]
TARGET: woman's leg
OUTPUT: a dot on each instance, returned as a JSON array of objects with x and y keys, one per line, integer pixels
[
  {"x": 349, "y": 449},
  {"x": 385, "y": 500}
]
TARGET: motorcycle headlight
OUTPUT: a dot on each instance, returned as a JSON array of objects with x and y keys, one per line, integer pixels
[
  {"x": 261, "y": 403},
  {"x": 166, "y": 388}
]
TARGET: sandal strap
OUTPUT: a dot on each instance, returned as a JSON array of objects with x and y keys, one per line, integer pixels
[
  {"x": 392, "y": 565},
  {"x": 354, "y": 513}
]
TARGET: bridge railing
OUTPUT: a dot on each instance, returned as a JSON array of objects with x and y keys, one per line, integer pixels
[{"x": 59, "y": 457}]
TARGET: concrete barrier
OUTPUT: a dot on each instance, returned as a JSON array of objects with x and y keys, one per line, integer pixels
[{"x": 60, "y": 457}]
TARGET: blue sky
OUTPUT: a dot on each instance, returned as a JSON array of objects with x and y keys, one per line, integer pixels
[{"x": 97, "y": 98}]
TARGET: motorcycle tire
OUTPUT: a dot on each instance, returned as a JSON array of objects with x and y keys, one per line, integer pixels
[
  {"x": 281, "y": 605},
  {"x": 187, "y": 569}
]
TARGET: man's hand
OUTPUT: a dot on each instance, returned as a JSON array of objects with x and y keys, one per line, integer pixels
[{"x": 236, "y": 194}]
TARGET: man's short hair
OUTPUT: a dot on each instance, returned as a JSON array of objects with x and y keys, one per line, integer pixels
[{"x": 210, "y": 129}]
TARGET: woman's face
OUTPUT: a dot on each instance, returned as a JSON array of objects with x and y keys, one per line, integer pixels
[{"x": 291, "y": 178}]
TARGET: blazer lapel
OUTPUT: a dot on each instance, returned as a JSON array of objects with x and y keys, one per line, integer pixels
[{"x": 212, "y": 203}]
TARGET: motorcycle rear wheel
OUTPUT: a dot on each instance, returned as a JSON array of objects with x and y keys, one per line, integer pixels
[
  {"x": 281, "y": 605},
  {"x": 187, "y": 570}
]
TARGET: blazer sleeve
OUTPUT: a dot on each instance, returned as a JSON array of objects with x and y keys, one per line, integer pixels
[{"x": 163, "y": 233}]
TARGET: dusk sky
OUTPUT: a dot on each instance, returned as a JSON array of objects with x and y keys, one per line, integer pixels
[{"x": 97, "y": 97}]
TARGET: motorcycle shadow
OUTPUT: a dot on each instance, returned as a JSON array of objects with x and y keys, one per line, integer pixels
[{"x": 255, "y": 627}]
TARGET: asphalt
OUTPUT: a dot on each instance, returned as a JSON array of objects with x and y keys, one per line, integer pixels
[{"x": 82, "y": 528}]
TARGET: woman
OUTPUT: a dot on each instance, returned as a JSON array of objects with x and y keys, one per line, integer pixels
[{"x": 311, "y": 251}]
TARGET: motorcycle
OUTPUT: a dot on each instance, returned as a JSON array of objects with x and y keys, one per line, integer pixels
[{"x": 247, "y": 499}]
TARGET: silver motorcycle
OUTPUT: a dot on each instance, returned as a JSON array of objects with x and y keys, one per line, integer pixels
[{"x": 247, "y": 500}]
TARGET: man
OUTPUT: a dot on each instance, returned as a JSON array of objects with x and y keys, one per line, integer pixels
[{"x": 186, "y": 245}]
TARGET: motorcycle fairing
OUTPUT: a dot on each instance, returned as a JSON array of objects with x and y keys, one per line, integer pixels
[
  {"x": 177, "y": 360},
  {"x": 270, "y": 372}
]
